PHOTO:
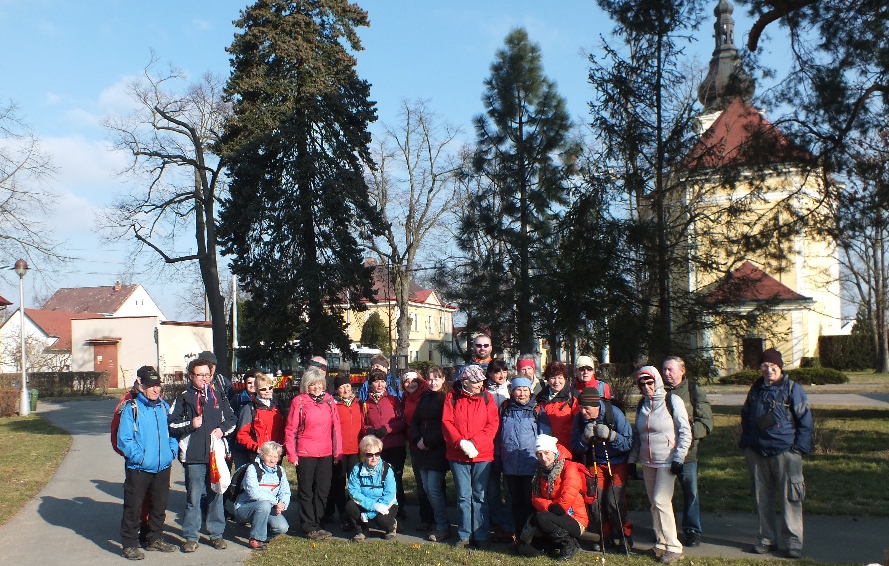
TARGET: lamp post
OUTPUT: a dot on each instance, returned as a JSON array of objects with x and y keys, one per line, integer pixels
[{"x": 21, "y": 268}]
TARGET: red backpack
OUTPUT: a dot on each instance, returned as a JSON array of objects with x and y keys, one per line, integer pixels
[{"x": 127, "y": 399}]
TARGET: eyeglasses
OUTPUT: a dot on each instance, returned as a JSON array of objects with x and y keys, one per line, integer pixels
[
  {"x": 265, "y": 389},
  {"x": 585, "y": 368},
  {"x": 202, "y": 374},
  {"x": 647, "y": 382},
  {"x": 482, "y": 345},
  {"x": 372, "y": 455}
]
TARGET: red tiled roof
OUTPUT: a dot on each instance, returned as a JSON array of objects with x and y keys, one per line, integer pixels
[
  {"x": 4, "y": 302},
  {"x": 90, "y": 299},
  {"x": 742, "y": 136},
  {"x": 57, "y": 323},
  {"x": 749, "y": 283}
]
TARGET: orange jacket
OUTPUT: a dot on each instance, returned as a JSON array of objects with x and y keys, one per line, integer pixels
[{"x": 567, "y": 493}]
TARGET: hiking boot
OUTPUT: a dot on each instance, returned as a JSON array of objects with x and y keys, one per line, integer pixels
[
  {"x": 525, "y": 549},
  {"x": 133, "y": 553},
  {"x": 692, "y": 538},
  {"x": 320, "y": 534},
  {"x": 439, "y": 535},
  {"x": 189, "y": 546},
  {"x": 359, "y": 537},
  {"x": 256, "y": 544},
  {"x": 763, "y": 548},
  {"x": 794, "y": 553},
  {"x": 462, "y": 543},
  {"x": 390, "y": 535},
  {"x": 218, "y": 543},
  {"x": 160, "y": 546},
  {"x": 568, "y": 548},
  {"x": 670, "y": 557},
  {"x": 658, "y": 552}
]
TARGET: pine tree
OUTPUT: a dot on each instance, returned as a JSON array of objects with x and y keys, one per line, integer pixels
[{"x": 296, "y": 145}]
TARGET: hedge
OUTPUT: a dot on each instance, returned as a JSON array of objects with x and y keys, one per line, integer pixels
[
  {"x": 804, "y": 376},
  {"x": 60, "y": 383},
  {"x": 853, "y": 352}
]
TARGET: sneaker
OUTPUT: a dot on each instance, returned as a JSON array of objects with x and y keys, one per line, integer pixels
[
  {"x": 160, "y": 546},
  {"x": 462, "y": 543},
  {"x": 320, "y": 534},
  {"x": 658, "y": 552},
  {"x": 390, "y": 535},
  {"x": 763, "y": 548},
  {"x": 133, "y": 553},
  {"x": 439, "y": 535},
  {"x": 670, "y": 557},
  {"x": 794, "y": 553},
  {"x": 218, "y": 543},
  {"x": 189, "y": 546},
  {"x": 692, "y": 538},
  {"x": 256, "y": 544},
  {"x": 359, "y": 537}
]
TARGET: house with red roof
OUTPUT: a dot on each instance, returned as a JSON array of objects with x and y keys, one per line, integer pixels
[{"x": 757, "y": 272}]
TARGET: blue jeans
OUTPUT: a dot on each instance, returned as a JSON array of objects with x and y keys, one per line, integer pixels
[
  {"x": 197, "y": 483},
  {"x": 691, "y": 508},
  {"x": 434, "y": 484},
  {"x": 471, "y": 481},
  {"x": 259, "y": 515}
]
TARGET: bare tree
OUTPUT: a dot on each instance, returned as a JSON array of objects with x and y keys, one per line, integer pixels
[
  {"x": 171, "y": 136},
  {"x": 25, "y": 196},
  {"x": 414, "y": 186}
]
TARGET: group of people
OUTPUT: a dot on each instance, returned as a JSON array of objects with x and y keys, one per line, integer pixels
[{"x": 535, "y": 463}]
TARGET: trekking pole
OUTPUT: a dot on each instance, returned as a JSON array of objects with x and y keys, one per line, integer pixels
[
  {"x": 599, "y": 509},
  {"x": 620, "y": 520}
]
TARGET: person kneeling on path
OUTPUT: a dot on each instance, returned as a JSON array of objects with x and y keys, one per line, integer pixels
[
  {"x": 145, "y": 442},
  {"x": 265, "y": 497},
  {"x": 557, "y": 497},
  {"x": 372, "y": 490}
]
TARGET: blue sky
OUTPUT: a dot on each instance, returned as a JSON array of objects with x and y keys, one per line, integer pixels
[{"x": 67, "y": 65}]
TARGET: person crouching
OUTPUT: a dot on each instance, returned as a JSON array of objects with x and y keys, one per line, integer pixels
[
  {"x": 265, "y": 497},
  {"x": 372, "y": 490}
]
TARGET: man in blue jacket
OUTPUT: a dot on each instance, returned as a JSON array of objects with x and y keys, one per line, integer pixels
[
  {"x": 776, "y": 430},
  {"x": 149, "y": 451}
]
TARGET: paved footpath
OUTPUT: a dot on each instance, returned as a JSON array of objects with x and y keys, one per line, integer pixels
[{"x": 75, "y": 520}]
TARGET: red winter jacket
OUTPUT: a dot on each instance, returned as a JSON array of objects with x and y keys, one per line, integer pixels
[
  {"x": 268, "y": 422},
  {"x": 561, "y": 411},
  {"x": 472, "y": 417},
  {"x": 567, "y": 492},
  {"x": 388, "y": 413},
  {"x": 313, "y": 429},
  {"x": 351, "y": 422}
]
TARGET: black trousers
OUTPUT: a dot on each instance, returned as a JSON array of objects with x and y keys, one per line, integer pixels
[
  {"x": 137, "y": 487},
  {"x": 313, "y": 475},
  {"x": 520, "y": 491},
  {"x": 426, "y": 515},
  {"x": 548, "y": 523},
  {"x": 385, "y": 523},
  {"x": 338, "y": 495},
  {"x": 396, "y": 456}
]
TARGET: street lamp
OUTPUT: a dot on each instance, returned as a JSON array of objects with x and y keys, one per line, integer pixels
[{"x": 21, "y": 268}]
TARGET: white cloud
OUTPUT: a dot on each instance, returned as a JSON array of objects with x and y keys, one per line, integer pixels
[
  {"x": 116, "y": 99},
  {"x": 85, "y": 166}
]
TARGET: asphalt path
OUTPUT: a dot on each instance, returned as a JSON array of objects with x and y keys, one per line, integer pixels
[{"x": 75, "y": 520}]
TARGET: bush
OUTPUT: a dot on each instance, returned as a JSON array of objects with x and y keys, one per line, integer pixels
[
  {"x": 61, "y": 383},
  {"x": 854, "y": 352},
  {"x": 9, "y": 402},
  {"x": 804, "y": 376},
  {"x": 810, "y": 363}
]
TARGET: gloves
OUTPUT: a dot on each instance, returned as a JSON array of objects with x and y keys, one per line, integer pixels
[
  {"x": 605, "y": 433},
  {"x": 381, "y": 432},
  {"x": 633, "y": 472},
  {"x": 676, "y": 468},
  {"x": 381, "y": 509},
  {"x": 555, "y": 509},
  {"x": 468, "y": 448},
  {"x": 589, "y": 431},
  {"x": 796, "y": 450}
]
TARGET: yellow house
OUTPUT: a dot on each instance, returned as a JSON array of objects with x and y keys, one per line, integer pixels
[
  {"x": 432, "y": 320},
  {"x": 744, "y": 186}
]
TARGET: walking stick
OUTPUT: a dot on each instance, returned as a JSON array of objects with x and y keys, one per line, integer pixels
[{"x": 623, "y": 535}]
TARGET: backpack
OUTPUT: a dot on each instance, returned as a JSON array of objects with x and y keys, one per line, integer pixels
[
  {"x": 590, "y": 486},
  {"x": 485, "y": 394},
  {"x": 692, "y": 395},
  {"x": 115, "y": 419},
  {"x": 236, "y": 487}
]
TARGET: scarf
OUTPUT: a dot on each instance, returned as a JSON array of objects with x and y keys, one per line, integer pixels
[
  {"x": 376, "y": 397},
  {"x": 317, "y": 398},
  {"x": 551, "y": 476},
  {"x": 346, "y": 402},
  {"x": 482, "y": 360}
]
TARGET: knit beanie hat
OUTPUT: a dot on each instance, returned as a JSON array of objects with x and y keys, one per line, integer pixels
[
  {"x": 772, "y": 356},
  {"x": 589, "y": 397},
  {"x": 341, "y": 380},
  {"x": 546, "y": 442},
  {"x": 519, "y": 382},
  {"x": 525, "y": 363}
]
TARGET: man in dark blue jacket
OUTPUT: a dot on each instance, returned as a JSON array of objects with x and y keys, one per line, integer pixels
[
  {"x": 199, "y": 415},
  {"x": 149, "y": 451},
  {"x": 776, "y": 430}
]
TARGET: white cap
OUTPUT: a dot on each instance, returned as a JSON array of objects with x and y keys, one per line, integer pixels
[{"x": 546, "y": 442}]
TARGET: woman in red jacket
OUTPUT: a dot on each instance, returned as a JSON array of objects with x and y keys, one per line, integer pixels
[
  {"x": 260, "y": 420},
  {"x": 469, "y": 424},
  {"x": 559, "y": 402},
  {"x": 557, "y": 497},
  {"x": 384, "y": 418},
  {"x": 351, "y": 423}
]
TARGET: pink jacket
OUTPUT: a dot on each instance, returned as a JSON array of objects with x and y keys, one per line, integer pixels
[{"x": 313, "y": 429}]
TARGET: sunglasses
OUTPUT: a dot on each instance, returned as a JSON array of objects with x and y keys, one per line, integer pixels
[
  {"x": 482, "y": 345},
  {"x": 646, "y": 382},
  {"x": 265, "y": 389},
  {"x": 585, "y": 368},
  {"x": 372, "y": 455}
]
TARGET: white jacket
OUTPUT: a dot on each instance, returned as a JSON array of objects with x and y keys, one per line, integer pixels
[{"x": 658, "y": 439}]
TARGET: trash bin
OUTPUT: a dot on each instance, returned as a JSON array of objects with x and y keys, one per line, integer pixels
[{"x": 34, "y": 394}]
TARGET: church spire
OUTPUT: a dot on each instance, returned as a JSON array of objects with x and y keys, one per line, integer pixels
[{"x": 726, "y": 78}]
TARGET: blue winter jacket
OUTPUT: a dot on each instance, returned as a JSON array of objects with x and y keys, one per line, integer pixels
[
  {"x": 367, "y": 487},
  {"x": 790, "y": 424},
  {"x": 143, "y": 436},
  {"x": 267, "y": 488},
  {"x": 588, "y": 451},
  {"x": 519, "y": 427}
]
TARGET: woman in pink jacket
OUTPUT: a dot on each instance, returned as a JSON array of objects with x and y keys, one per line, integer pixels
[
  {"x": 314, "y": 441},
  {"x": 469, "y": 424}
]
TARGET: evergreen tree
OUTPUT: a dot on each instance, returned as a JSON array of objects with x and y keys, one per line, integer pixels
[
  {"x": 523, "y": 146},
  {"x": 296, "y": 146},
  {"x": 375, "y": 333}
]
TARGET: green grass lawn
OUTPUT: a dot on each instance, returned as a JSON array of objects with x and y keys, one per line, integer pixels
[{"x": 30, "y": 451}]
